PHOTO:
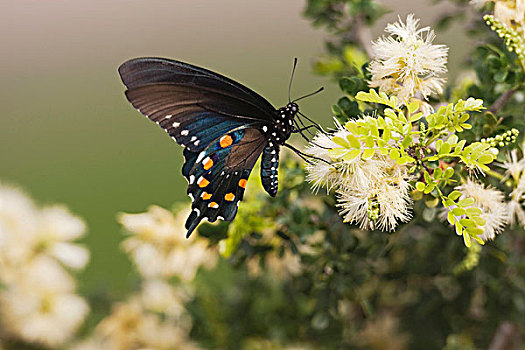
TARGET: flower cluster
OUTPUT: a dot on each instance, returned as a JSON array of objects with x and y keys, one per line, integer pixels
[
  {"x": 491, "y": 203},
  {"x": 155, "y": 317},
  {"x": 407, "y": 64},
  {"x": 515, "y": 171},
  {"x": 158, "y": 246},
  {"x": 373, "y": 192},
  {"x": 510, "y": 13},
  {"x": 38, "y": 300}
]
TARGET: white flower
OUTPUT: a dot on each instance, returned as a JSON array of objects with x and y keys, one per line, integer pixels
[
  {"x": 407, "y": 64},
  {"x": 160, "y": 297},
  {"x": 372, "y": 193},
  {"x": 56, "y": 229},
  {"x": 27, "y": 232},
  {"x": 38, "y": 303},
  {"x": 513, "y": 166},
  {"x": 41, "y": 306},
  {"x": 376, "y": 194},
  {"x": 131, "y": 326},
  {"x": 491, "y": 203},
  {"x": 159, "y": 247},
  {"x": 515, "y": 206},
  {"x": 325, "y": 173}
]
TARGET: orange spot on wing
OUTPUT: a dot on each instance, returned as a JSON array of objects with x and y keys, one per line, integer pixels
[
  {"x": 208, "y": 164},
  {"x": 206, "y": 196},
  {"x": 229, "y": 197},
  {"x": 226, "y": 141},
  {"x": 213, "y": 205},
  {"x": 243, "y": 182},
  {"x": 202, "y": 182}
]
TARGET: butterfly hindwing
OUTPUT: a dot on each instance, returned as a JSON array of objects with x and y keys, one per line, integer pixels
[{"x": 218, "y": 177}]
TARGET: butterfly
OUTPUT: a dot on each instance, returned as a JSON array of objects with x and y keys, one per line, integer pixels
[{"x": 223, "y": 126}]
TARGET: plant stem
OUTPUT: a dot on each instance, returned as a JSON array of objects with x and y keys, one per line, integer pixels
[
  {"x": 495, "y": 174},
  {"x": 500, "y": 102}
]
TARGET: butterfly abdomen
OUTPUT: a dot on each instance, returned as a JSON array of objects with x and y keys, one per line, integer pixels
[{"x": 269, "y": 169}]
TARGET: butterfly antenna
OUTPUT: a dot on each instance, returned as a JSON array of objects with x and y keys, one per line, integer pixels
[
  {"x": 310, "y": 94},
  {"x": 291, "y": 79}
]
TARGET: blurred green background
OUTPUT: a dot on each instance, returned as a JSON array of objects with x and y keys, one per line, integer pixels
[{"x": 68, "y": 135}]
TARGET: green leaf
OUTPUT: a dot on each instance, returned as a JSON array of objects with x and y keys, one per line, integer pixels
[
  {"x": 458, "y": 211},
  {"x": 368, "y": 153},
  {"x": 420, "y": 186},
  {"x": 473, "y": 211},
  {"x": 466, "y": 239},
  {"x": 454, "y": 195},
  {"x": 353, "y": 141},
  {"x": 341, "y": 142},
  {"x": 412, "y": 107},
  {"x": 394, "y": 153},
  {"x": 468, "y": 222},
  {"x": 451, "y": 218},
  {"x": 352, "y": 154},
  {"x": 466, "y": 202},
  {"x": 449, "y": 172}
]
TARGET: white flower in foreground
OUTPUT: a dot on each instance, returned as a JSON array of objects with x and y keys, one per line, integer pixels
[
  {"x": 491, "y": 202},
  {"x": 56, "y": 231},
  {"x": 407, "y": 64},
  {"x": 161, "y": 297},
  {"x": 38, "y": 303},
  {"x": 131, "y": 326},
  {"x": 159, "y": 247},
  {"x": 27, "y": 232},
  {"x": 41, "y": 307}
]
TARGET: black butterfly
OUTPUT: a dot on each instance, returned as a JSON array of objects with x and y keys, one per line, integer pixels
[{"x": 222, "y": 125}]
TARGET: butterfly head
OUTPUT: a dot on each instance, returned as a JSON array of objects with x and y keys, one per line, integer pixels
[{"x": 292, "y": 107}]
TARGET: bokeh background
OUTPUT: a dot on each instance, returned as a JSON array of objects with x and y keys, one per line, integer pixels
[{"x": 68, "y": 135}]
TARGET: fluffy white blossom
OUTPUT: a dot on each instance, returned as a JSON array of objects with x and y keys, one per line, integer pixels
[
  {"x": 406, "y": 64},
  {"x": 38, "y": 303},
  {"x": 376, "y": 194},
  {"x": 158, "y": 245},
  {"x": 131, "y": 325},
  {"x": 41, "y": 305},
  {"x": 491, "y": 202},
  {"x": 372, "y": 193},
  {"x": 515, "y": 169},
  {"x": 324, "y": 173}
]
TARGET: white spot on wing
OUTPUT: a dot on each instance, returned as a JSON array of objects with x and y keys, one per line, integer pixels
[
  {"x": 220, "y": 218},
  {"x": 193, "y": 138},
  {"x": 192, "y": 179},
  {"x": 201, "y": 155},
  {"x": 197, "y": 211},
  {"x": 184, "y": 132},
  {"x": 175, "y": 124}
]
